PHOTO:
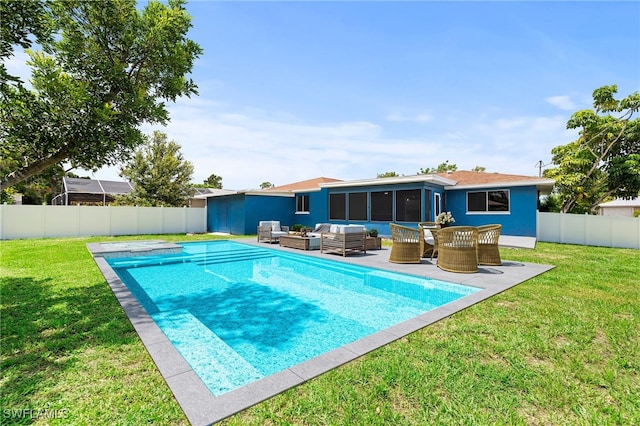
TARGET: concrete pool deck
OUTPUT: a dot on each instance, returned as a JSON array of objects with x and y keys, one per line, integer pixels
[{"x": 203, "y": 408}]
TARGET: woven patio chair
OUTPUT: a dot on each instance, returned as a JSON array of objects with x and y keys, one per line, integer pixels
[
  {"x": 488, "y": 252},
  {"x": 428, "y": 247},
  {"x": 406, "y": 244},
  {"x": 458, "y": 249}
]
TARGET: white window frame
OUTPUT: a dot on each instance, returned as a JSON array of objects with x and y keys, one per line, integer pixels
[
  {"x": 304, "y": 206},
  {"x": 437, "y": 204}
]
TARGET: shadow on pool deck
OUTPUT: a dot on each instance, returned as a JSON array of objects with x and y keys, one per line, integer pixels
[{"x": 202, "y": 407}]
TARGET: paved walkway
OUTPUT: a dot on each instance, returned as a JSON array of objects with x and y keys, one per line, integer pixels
[{"x": 202, "y": 408}]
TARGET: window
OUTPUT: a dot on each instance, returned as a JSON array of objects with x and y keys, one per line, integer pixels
[
  {"x": 408, "y": 206},
  {"x": 382, "y": 206},
  {"x": 337, "y": 206},
  {"x": 488, "y": 201},
  {"x": 358, "y": 206},
  {"x": 302, "y": 203}
]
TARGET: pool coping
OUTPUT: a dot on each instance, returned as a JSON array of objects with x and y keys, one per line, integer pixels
[{"x": 201, "y": 407}]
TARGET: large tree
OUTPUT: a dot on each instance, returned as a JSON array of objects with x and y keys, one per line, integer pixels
[
  {"x": 109, "y": 69},
  {"x": 442, "y": 168},
  {"x": 213, "y": 181},
  {"x": 159, "y": 173},
  {"x": 604, "y": 161}
]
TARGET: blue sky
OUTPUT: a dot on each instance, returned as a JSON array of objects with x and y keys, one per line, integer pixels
[{"x": 295, "y": 90}]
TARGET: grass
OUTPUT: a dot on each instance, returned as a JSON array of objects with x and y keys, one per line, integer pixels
[{"x": 562, "y": 348}]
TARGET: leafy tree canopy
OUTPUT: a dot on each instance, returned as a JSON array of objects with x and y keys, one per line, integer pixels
[
  {"x": 109, "y": 69},
  {"x": 213, "y": 181},
  {"x": 159, "y": 173},
  {"x": 604, "y": 162},
  {"x": 442, "y": 168},
  {"x": 266, "y": 185},
  {"x": 387, "y": 174},
  {"x": 20, "y": 19}
]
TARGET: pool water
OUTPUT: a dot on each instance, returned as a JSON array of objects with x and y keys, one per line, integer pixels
[{"x": 238, "y": 313}]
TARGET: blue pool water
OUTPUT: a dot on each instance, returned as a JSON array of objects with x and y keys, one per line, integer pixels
[{"x": 238, "y": 313}]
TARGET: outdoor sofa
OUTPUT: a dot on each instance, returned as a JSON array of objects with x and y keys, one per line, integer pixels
[{"x": 341, "y": 239}]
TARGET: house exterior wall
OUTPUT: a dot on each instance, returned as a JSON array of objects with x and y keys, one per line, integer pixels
[
  {"x": 318, "y": 209},
  {"x": 240, "y": 213},
  {"x": 261, "y": 207},
  {"x": 226, "y": 214},
  {"x": 319, "y": 205},
  {"x": 624, "y": 211},
  {"x": 520, "y": 220}
]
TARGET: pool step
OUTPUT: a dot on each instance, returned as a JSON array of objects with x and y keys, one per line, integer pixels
[
  {"x": 197, "y": 258},
  {"x": 219, "y": 366},
  {"x": 232, "y": 256}
]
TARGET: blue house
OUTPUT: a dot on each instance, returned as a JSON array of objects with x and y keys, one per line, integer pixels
[{"x": 473, "y": 198}]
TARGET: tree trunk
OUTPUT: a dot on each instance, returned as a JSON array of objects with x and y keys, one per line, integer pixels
[{"x": 33, "y": 169}]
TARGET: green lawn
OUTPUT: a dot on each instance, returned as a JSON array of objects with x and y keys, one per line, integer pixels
[{"x": 562, "y": 348}]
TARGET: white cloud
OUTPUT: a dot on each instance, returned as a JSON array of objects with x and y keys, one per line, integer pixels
[
  {"x": 422, "y": 117},
  {"x": 251, "y": 146},
  {"x": 563, "y": 102}
]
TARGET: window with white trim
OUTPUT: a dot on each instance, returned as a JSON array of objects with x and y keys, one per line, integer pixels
[{"x": 302, "y": 204}]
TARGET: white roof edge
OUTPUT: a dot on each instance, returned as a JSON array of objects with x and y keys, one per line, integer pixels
[
  {"x": 537, "y": 182},
  {"x": 270, "y": 193},
  {"x": 390, "y": 180}
]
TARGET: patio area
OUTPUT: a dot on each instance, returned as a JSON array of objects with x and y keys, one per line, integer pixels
[{"x": 202, "y": 408}]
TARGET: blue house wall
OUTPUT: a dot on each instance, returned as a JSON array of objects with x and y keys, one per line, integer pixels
[
  {"x": 240, "y": 213},
  {"x": 520, "y": 220},
  {"x": 318, "y": 209},
  {"x": 261, "y": 207}
]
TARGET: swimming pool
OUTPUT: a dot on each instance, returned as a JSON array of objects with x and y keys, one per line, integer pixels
[{"x": 238, "y": 313}]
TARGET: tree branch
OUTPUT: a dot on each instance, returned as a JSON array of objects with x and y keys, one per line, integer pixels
[{"x": 33, "y": 169}]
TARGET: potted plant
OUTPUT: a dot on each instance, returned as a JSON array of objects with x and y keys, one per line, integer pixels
[
  {"x": 373, "y": 232},
  {"x": 444, "y": 219}
]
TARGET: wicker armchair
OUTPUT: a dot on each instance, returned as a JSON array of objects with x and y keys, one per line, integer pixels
[
  {"x": 406, "y": 244},
  {"x": 488, "y": 253},
  {"x": 428, "y": 247},
  {"x": 458, "y": 249}
]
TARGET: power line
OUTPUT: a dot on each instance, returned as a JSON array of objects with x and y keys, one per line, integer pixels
[{"x": 540, "y": 165}]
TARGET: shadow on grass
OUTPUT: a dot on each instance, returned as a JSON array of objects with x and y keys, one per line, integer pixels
[{"x": 43, "y": 327}]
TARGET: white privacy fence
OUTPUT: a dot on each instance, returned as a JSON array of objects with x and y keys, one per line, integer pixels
[
  {"x": 25, "y": 221},
  {"x": 606, "y": 231}
]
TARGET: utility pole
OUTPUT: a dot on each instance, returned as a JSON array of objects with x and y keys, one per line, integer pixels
[{"x": 540, "y": 165}]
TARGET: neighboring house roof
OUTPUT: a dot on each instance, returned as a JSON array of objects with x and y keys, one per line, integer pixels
[
  {"x": 92, "y": 189},
  {"x": 95, "y": 186},
  {"x": 619, "y": 202},
  {"x": 211, "y": 192},
  {"x": 311, "y": 184},
  {"x": 470, "y": 179}
]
